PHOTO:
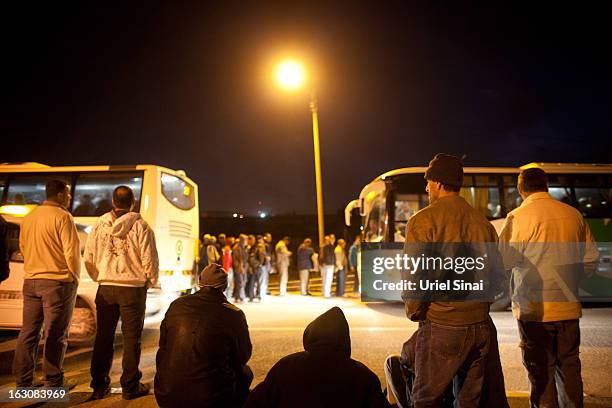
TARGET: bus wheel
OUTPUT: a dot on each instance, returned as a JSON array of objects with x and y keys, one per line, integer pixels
[{"x": 82, "y": 330}]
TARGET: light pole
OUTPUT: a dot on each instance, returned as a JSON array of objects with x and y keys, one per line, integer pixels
[{"x": 290, "y": 75}]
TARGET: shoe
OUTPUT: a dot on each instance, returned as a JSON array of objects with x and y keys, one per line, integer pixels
[
  {"x": 99, "y": 393},
  {"x": 67, "y": 384},
  {"x": 141, "y": 391}
]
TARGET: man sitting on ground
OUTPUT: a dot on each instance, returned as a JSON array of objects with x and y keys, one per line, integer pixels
[
  {"x": 324, "y": 375},
  {"x": 204, "y": 346}
]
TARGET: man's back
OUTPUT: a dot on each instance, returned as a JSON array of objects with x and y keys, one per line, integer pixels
[
  {"x": 204, "y": 343},
  {"x": 450, "y": 220},
  {"x": 541, "y": 218},
  {"x": 50, "y": 244},
  {"x": 547, "y": 242}
]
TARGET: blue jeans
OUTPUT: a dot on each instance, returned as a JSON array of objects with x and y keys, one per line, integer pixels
[
  {"x": 240, "y": 279},
  {"x": 52, "y": 302},
  {"x": 445, "y": 351},
  {"x": 254, "y": 282},
  {"x": 262, "y": 281},
  {"x": 229, "y": 291}
]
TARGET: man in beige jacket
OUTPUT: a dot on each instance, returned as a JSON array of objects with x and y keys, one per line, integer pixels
[
  {"x": 50, "y": 247},
  {"x": 549, "y": 247}
]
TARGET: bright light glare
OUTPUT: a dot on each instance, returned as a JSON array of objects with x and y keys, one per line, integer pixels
[
  {"x": 16, "y": 210},
  {"x": 290, "y": 75}
]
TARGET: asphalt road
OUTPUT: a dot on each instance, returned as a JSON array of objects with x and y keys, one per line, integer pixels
[{"x": 276, "y": 326}]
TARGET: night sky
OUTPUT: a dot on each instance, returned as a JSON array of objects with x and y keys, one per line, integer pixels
[{"x": 189, "y": 87}]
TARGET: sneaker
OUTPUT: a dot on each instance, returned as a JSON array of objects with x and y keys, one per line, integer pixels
[
  {"x": 141, "y": 391},
  {"x": 99, "y": 393}
]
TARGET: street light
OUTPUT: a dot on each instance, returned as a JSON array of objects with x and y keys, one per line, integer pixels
[{"x": 291, "y": 76}]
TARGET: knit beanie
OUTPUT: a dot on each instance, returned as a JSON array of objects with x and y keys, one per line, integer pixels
[
  {"x": 445, "y": 169},
  {"x": 214, "y": 276}
]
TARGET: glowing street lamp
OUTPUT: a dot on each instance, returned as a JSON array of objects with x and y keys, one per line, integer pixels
[{"x": 291, "y": 75}]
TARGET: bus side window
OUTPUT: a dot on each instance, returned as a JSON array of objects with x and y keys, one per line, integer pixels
[
  {"x": 560, "y": 188},
  {"x": 511, "y": 197},
  {"x": 30, "y": 188},
  {"x": 94, "y": 191},
  {"x": 594, "y": 202},
  {"x": 482, "y": 192},
  {"x": 405, "y": 206}
]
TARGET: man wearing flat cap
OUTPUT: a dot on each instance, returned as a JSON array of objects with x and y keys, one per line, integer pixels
[
  {"x": 204, "y": 346},
  {"x": 455, "y": 334}
]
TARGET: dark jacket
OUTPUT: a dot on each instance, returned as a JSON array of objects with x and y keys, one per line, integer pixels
[
  {"x": 327, "y": 256},
  {"x": 449, "y": 219},
  {"x": 203, "y": 346},
  {"x": 304, "y": 258},
  {"x": 324, "y": 375},
  {"x": 240, "y": 258},
  {"x": 257, "y": 257}
]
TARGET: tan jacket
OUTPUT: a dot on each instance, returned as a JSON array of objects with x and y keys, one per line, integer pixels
[
  {"x": 448, "y": 219},
  {"x": 50, "y": 245},
  {"x": 550, "y": 248}
]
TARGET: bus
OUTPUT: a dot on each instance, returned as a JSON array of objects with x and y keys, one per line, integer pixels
[
  {"x": 386, "y": 204},
  {"x": 167, "y": 200}
]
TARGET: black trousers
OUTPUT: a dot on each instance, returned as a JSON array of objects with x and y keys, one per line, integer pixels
[
  {"x": 550, "y": 355},
  {"x": 113, "y": 302}
]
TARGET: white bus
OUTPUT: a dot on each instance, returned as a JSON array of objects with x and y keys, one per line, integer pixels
[
  {"x": 386, "y": 204},
  {"x": 167, "y": 199}
]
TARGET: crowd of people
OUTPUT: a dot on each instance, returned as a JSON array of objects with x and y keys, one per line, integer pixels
[
  {"x": 204, "y": 347},
  {"x": 249, "y": 260}
]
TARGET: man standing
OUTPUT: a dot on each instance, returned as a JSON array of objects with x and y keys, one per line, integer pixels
[
  {"x": 354, "y": 251},
  {"x": 341, "y": 265},
  {"x": 327, "y": 263},
  {"x": 270, "y": 261},
  {"x": 550, "y": 248},
  {"x": 52, "y": 265},
  {"x": 454, "y": 336},
  {"x": 305, "y": 265},
  {"x": 121, "y": 256},
  {"x": 257, "y": 260},
  {"x": 227, "y": 263},
  {"x": 240, "y": 264},
  {"x": 204, "y": 346},
  {"x": 283, "y": 258}
]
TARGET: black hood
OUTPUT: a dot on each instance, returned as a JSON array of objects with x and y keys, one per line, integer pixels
[{"x": 329, "y": 332}]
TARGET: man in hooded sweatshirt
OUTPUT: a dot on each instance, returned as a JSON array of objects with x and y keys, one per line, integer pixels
[
  {"x": 324, "y": 375},
  {"x": 204, "y": 346},
  {"x": 121, "y": 256}
]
